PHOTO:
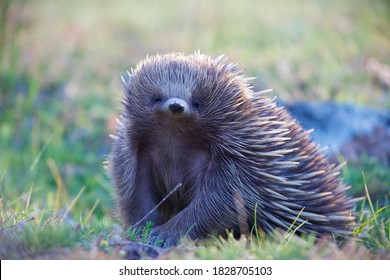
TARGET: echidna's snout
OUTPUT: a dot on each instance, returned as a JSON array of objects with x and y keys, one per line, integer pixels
[{"x": 177, "y": 107}]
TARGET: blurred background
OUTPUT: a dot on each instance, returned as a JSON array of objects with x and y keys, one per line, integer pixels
[{"x": 61, "y": 62}]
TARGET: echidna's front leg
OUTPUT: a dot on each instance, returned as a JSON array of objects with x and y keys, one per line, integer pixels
[
  {"x": 212, "y": 210},
  {"x": 138, "y": 202},
  {"x": 205, "y": 215}
]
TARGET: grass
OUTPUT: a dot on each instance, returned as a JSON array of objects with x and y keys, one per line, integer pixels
[
  {"x": 60, "y": 64},
  {"x": 376, "y": 175}
]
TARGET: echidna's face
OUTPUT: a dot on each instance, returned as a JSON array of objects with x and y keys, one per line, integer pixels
[
  {"x": 185, "y": 90},
  {"x": 173, "y": 106}
]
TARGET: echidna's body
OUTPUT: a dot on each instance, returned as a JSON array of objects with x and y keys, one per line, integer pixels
[{"x": 195, "y": 121}]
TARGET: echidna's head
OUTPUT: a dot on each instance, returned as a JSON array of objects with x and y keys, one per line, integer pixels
[{"x": 186, "y": 92}]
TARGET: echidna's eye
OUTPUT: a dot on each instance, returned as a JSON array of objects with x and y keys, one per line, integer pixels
[
  {"x": 157, "y": 99},
  {"x": 195, "y": 104}
]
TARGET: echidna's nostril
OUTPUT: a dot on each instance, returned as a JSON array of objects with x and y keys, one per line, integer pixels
[{"x": 176, "y": 108}]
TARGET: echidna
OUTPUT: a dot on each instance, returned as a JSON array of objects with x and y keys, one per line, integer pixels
[{"x": 198, "y": 152}]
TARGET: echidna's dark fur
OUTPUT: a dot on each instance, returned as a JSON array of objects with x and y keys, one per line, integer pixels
[{"x": 233, "y": 152}]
